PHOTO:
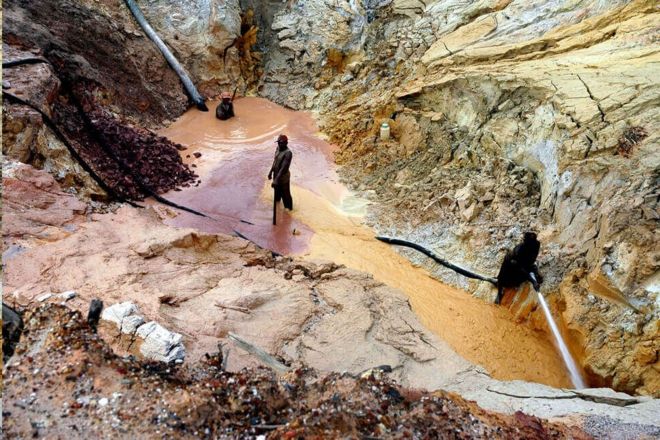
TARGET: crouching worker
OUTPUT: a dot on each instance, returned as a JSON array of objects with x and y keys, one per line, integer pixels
[
  {"x": 225, "y": 109},
  {"x": 280, "y": 174},
  {"x": 519, "y": 265}
]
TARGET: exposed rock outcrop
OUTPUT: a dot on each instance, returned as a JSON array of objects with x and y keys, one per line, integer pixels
[
  {"x": 505, "y": 116},
  {"x": 101, "y": 43},
  {"x": 203, "y": 35},
  {"x": 25, "y": 137}
]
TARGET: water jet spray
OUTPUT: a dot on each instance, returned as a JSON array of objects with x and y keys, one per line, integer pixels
[{"x": 569, "y": 362}]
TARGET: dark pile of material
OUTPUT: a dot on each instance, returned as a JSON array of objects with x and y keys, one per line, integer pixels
[
  {"x": 134, "y": 162},
  {"x": 65, "y": 382}
]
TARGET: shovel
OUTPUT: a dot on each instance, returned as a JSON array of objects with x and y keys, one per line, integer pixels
[{"x": 274, "y": 206}]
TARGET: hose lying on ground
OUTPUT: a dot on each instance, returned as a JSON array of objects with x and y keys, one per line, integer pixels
[
  {"x": 173, "y": 62},
  {"x": 50, "y": 124},
  {"x": 437, "y": 259},
  {"x": 22, "y": 61}
]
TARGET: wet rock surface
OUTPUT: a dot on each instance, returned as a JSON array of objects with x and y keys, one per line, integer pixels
[{"x": 65, "y": 381}]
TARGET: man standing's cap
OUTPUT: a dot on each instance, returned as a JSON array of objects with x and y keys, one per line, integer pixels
[
  {"x": 225, "y": 95},
  {"x": 282, "y": 138}
]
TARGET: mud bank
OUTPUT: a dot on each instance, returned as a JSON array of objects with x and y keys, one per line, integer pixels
[{"x": 235, "y": 158}]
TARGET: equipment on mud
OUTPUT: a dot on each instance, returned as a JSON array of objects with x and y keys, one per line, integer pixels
[
  {"x": 196, "y": 98},
  {"x": 12, "y": 328},
  {"x": 437, "y": 259}
]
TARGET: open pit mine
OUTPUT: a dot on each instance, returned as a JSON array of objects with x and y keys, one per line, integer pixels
[{"x": 372, "y": 219}]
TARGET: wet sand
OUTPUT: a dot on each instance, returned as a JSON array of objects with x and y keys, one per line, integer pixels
[{"x": 236, "y": 157}]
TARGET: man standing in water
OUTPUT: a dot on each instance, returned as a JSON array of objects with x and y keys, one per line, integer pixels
[
  {"x": 280, "y": 174},
  {"x": 225, "y": 109}
]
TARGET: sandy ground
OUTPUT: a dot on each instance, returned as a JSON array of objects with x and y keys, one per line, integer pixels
[{"x": 235, "y": 158}]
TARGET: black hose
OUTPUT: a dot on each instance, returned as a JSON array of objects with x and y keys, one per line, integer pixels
[
  {"x": 50, "y": 124},
  {"x": 437, "y": 259},
  {"x": 196, "y": 98},
  {"x": 23, "y": 61}
]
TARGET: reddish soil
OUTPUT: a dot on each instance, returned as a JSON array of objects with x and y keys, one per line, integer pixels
[{"x": 65, "y": 382}]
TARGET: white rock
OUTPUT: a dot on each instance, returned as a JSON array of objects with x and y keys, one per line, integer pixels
[
  {"x": 286, "y": 33},
  {"x": 44, "y": 297},
  {"x": 284, "y": 21},
  {"x": 66, "y": 296},
  {"x": 131, "y": 323},
  {"x": 118, "y": 312},
  {"x": 159, "y": 343}
]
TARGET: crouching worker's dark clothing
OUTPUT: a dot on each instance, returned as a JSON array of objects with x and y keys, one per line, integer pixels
[
  {"x": 224, "y": 110},
  {"x": 282, "y": 176}
]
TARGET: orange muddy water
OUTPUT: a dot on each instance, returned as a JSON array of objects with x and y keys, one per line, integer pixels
[{"x": 326, "y": 224}]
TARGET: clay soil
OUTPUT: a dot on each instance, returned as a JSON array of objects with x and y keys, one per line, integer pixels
[{"x": 67, "y": 383}]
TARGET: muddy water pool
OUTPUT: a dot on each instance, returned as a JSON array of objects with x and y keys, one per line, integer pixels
[{"x": 326, "y": 223}]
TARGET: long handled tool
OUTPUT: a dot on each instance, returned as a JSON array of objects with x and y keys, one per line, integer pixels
[{"x": 274, "y": 206}]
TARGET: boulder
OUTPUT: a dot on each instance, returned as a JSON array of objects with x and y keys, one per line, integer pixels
[
  {"x": 156, "y": 342},
  {"x": 160, "y": 344}
]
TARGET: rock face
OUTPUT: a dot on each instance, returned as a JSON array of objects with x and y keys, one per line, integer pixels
[
  {"x": 505, "y": 116},
  {"x": 101, "y": 43},
  {"x": 203, "y": 36},
  {"x": 25, "y": 137}
]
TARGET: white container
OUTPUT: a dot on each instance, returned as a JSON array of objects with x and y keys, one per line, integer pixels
[{"x": 384, "y": 131}]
